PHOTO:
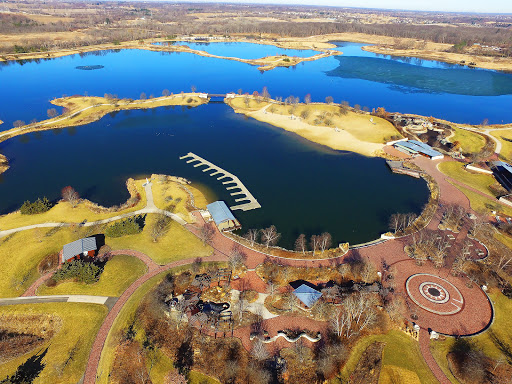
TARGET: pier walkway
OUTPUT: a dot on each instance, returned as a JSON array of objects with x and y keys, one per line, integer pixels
[{"x": 251, "y": 203}]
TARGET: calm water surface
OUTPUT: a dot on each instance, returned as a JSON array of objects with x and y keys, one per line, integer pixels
[{"x": 302, "y": 187}]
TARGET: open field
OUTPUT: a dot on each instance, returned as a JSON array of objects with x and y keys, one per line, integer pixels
[
  {"x": 479, "y": 181},
  {"x": 470, "y": 142},
  {"x": 401, "y": 355},
  {"x": 68, "y": 349},
  {"x": 176, "y": 244},
  {"x": 118, "y": 275},
  {"x": 500, "y": 327},
  {"x": 172, "y": 196},
  {"x": 64, "y": 212},
  {"x": 323, "y": 123}
]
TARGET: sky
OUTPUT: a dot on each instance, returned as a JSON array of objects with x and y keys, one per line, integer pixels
[{"x": 480, "y": 6}]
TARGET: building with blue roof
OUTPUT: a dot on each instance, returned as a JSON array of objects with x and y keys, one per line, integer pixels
[
  {"x": 307, "y": 295},
  {"x": 415, "y": 147},
  {"x": 502, "y": 173},
  {"x": 223, "y": 217}
]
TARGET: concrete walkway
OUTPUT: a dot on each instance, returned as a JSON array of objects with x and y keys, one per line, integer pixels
[{"x": 102, "y": 300}]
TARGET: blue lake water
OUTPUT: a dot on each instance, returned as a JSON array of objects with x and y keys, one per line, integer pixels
[
  {"x": 302, "y": 186},
  {"x": 286, "y": 173}
]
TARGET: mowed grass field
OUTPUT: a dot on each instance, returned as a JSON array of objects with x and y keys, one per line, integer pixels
[
  {"x": 500, "y": 327},
  {"x": 505, "y": 137},
  {"x": 479, "y": 181},
  {"x": 402, "y": 361},
  {"x": 480, "y": 203},
  {"x": 176, "y": 244},
  {"x": 470, "y": 142},
  {"x": 118, "y": 274},
  {"x": 69, "y": 348}
]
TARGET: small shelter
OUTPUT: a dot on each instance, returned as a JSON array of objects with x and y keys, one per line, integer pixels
[
  {"x": 307, "y": 294},
  {"x": 80, "y": 248},
  {"x": 223, "y": 217},
  {"x": 415, "y": 147}
]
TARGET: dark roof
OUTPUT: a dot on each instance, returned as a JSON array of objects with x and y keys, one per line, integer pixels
[
  {"x": 78, "y": 247},
  {"x": 503, "y": 173},
  {"x": 308, "y": 295},
  {"x": 220, "y": 212}
]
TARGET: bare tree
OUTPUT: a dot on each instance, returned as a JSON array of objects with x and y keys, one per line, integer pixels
[
  {"x": 325, "y": 241},
  {"x": 258, "y": 350},
  {"x": 142, "y": 96},
  {"x": 70, "y": 195},
  {"x": 307, "y": 99},
  {"x": 193, "y": 88},
  {"x": 252, "y": 236},
  {"x": 165, "y": 92},
  {"x": 329, "y": 100},
  {"x": 237, "y": 256},
  {"x": 18, "y": 123},
  {"x": 265, "y": 94},
  {"x": 270, "y": 236},
  {"x": 315, "y": 243},
  {"x": 301, "y": 244},
  {"x": 52, "y": 112},
  {"x": 207, "y": 233},
  {"x": 160, "y": 227}
]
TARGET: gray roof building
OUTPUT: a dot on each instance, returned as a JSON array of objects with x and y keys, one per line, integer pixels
[
  {"x": 308, "y": 295},
  {"x": 222, "y": 216},
  {"x": 78, "y": 247}
]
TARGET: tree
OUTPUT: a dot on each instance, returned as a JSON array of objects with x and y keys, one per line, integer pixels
[
  {"x": 270, "y": 236},
  {"x": 325, "y": 241},
  {"x": 258, "y": 350},
  {"x": 70, "y": 195},
  {"x": 315, "y": 243},
  {"x": 265, "y": 94},
  {"x": 142, "y": 96},
  {"x": 52, "y": 112},
  {"x": 207, "y": 232},
  {"x": 160, "y": 227},
  {"x": 304, "y": 114},
  {"x": 252, "y": 236},
  {"x": 237, "y": 256},
  {"x": 301, "y": 244},
  {"x": 18, "y": 123},
  {"x": 193, "y": 88},
  {"x": 165, "y": 92},
  {"x": 307, "y": 98},
  {"x": 329, "y": 100}
]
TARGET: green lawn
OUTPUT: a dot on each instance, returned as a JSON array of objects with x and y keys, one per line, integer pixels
[
  {"x": 470, "y": 142},
  {"x": 21, "y": 253},
  {"x": 505, "y": 137},
  {"x": 480, "y": 203},
  {"x": 501, "y": 327},
  {"x": 176, "y": 244},
  {"x": 80, "y": 323},
  {"x": 400, "y": 351},
  {"x": 118, "y": 274},
  {"x": 479, "y": 181}
]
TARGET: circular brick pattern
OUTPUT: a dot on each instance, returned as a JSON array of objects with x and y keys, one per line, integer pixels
[{"x": 434, "y": 294}]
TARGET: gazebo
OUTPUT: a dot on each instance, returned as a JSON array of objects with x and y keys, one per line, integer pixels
[{"x": 307, "y": 295}]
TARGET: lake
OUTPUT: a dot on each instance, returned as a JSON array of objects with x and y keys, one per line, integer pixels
[{"x": 302, "y": 187}]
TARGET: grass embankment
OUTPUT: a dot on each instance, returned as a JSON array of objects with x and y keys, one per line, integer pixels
[
  {"x": 176, "y": 244},
  {"x": 82, "y": 110},
  {"x": 170, "y": 194},
  {"x": 119, "y": 273},
  {"x": 500, "y": 327},
  {"x": 480, "y": 203},
  {"x": 401, "y": 358},
  {"x": 470, "y": 142},
  {"x": 327, "y": 124},
  {"x": 122, "y": 321},
  {"x": 505, "y": 137},
  {"x": 69, "y": 348},
  {"x": 64, "y": 212},
  {"x": 479, "y": 181}
]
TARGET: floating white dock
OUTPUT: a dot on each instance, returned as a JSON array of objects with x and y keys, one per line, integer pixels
[{"x": 251, "y": 203}]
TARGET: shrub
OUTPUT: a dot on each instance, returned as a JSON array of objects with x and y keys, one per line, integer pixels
[
  {"x": 38, "y": 206},
  {"x": 286, "y": 60},
  {"x": 78, "y": 270},
  {"x": 129, "y": 226}
]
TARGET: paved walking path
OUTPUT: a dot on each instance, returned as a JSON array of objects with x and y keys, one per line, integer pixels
[
  {"x": 424, "y": 341},
  {"x": 56, "y": 299}
]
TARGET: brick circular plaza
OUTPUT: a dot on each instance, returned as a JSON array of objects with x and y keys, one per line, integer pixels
[{"x": 434, "y": 294}]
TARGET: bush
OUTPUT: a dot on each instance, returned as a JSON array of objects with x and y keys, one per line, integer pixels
[
  {"x": 129, "y": 226},
  {"x": 38, "y": 206},
  {"x": 78, "y": 270}
]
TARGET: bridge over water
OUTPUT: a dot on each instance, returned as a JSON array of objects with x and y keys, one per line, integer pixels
[{"x": 251, "y": 202}]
